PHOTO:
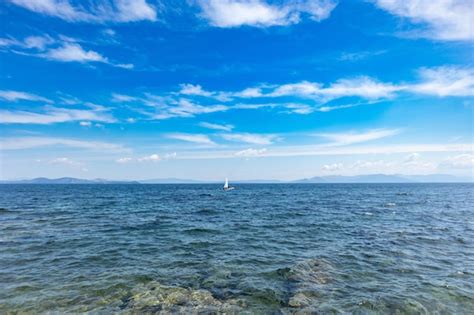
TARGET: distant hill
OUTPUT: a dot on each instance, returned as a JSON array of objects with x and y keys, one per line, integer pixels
[
  {"x": 372, "y": 178},
  {"x": 193, "y": 181},
  {"x": 170, "y": 181},
  {"x": 66, "y": 180},
  {"x": 383, "y": 178}
]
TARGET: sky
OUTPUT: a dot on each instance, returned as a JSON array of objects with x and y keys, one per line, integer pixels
[{"x": 245, "y": 89}]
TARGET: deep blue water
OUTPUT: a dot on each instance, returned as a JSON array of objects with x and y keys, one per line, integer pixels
[{"x": 341, "y": 248}]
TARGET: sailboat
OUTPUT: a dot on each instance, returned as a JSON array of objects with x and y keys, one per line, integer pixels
[{"x": 226, "y": 185}]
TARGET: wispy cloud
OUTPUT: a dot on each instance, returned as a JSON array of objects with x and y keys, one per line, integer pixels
[
  {"x": 85, "y": 123},
  {"x": 13, "y": 96},
  {"x": 360, "y": 55},
  {"x": 19, "y": 143},
  {"x": 461, "y": 161},
  {"x": 332, "y": 167},
  {"x": 124, "y": 160},
  {"x": 235, "y": 13},
  {"x": 330, "y": 149},
  {"x": 251, "y": 152},
  {"x": 186, "y": 108},
  {"x": 53, "y": 115},
  {"x": 207, "y": 125},
  {"x": 68, "y": 162},
  {"x": 354, "y": 137},
  {"x": 63, "y": 49},
  {"x": 364, "y": 87},
  {"x": 105, "y": 11},
  {"x": 445, "y": 81},
  {"x": 250, "y": 138},
  {"x": 150, "y": 158},
  {"x": 194, "y": 138},
  {"x": 309, "y": 97},
  {"x": 442, "y": 19}
]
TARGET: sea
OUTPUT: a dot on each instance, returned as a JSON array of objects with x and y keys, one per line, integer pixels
[{"x": 258, "y": 249}]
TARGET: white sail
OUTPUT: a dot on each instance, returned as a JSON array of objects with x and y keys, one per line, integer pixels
[{"x": 226, "y": 185}]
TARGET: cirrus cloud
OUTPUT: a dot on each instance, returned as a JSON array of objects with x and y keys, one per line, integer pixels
[{"x": 94, "y": 12}]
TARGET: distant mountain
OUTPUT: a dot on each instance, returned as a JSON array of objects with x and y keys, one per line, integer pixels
[
  {"x": 438, "y": 178},
  {"x": 66, "y": 180},
  {"x": 383, "y": 178},
  {"x": 372, "y": 178},
  {"x": 171, "y": 181},
  {"x": 259, "y": 181},
  {"x": 193, "y": 181}
]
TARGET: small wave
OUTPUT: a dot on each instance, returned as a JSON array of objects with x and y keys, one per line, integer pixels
[
  {"x": 207, "y": 211},
  {"x": 5, "y": 210},
  {"x": 205, "y": 195},
  {"x": 194, "y": 231},
  {"x": 390, "y": 204},
  {"x": 368, "y": 213}
]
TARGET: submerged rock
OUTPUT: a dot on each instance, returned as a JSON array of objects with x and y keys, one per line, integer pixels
[
  {"x": 306, "y": 281},
  {"x": 154, "y": 298}
]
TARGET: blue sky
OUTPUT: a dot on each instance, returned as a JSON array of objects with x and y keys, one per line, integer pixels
[{"x": 248, "y": 89}]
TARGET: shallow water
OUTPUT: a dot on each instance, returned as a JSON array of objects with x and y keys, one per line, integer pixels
[{"x": 341, "y": 248}]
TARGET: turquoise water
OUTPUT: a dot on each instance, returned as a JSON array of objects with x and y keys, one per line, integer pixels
[{"x": 281, "y": 249}]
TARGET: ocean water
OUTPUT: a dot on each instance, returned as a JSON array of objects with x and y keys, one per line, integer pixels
[{"x": 265, "y": 249}]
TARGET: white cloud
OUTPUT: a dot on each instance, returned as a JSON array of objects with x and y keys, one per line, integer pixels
[
  {"x": 13, "y": 96},
  {"x": 462, "y": 161},
  {"x": 444, "y": 19},
  {"x": 347, "y": 150},
  {"x": 207, "y": 125},
  {"x": 439, "y": 81},
  {"x": 170, "y": 156},
  {"x": 85, "y": 123},
  {"x": 235, "y": 13},
  {"x": 326, "y": 109},
  {"x": 352, "y": 137},
  {"x": 412, "y": 158},
  {"x": 19, "y": 143},
  {"x": 53, "y": 115},
  {"x": 333, "y": 167},
  {"x": 302, "y": 109},
  {"x": 150, "y": 158},
  {"x": 190, "y": 89},
  {"x": 121, "y": 98},
  {"x": 124, "y": 160},
  {"x": 195, "y": 138},
  {"x": 134, "y": 10},
  {"x": 127, "y": 66},
  {"x": 250, "y": 138},
  {"x": 118, "y": 11},
  {"x": 250, "y": 93},
  {"x": 251, "y": 152},
  {"x": 363, "y": 87},
  {"x": 74, "y": 52},
  {"x": 185, "y": 108},
  {"x": 38, "y": 42},
  {"x": 373, "y": 166},
  {"x": 445, "y": 81},
  {"x": 65, "y": 161},
  {"x": 63, "y": 48}
]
